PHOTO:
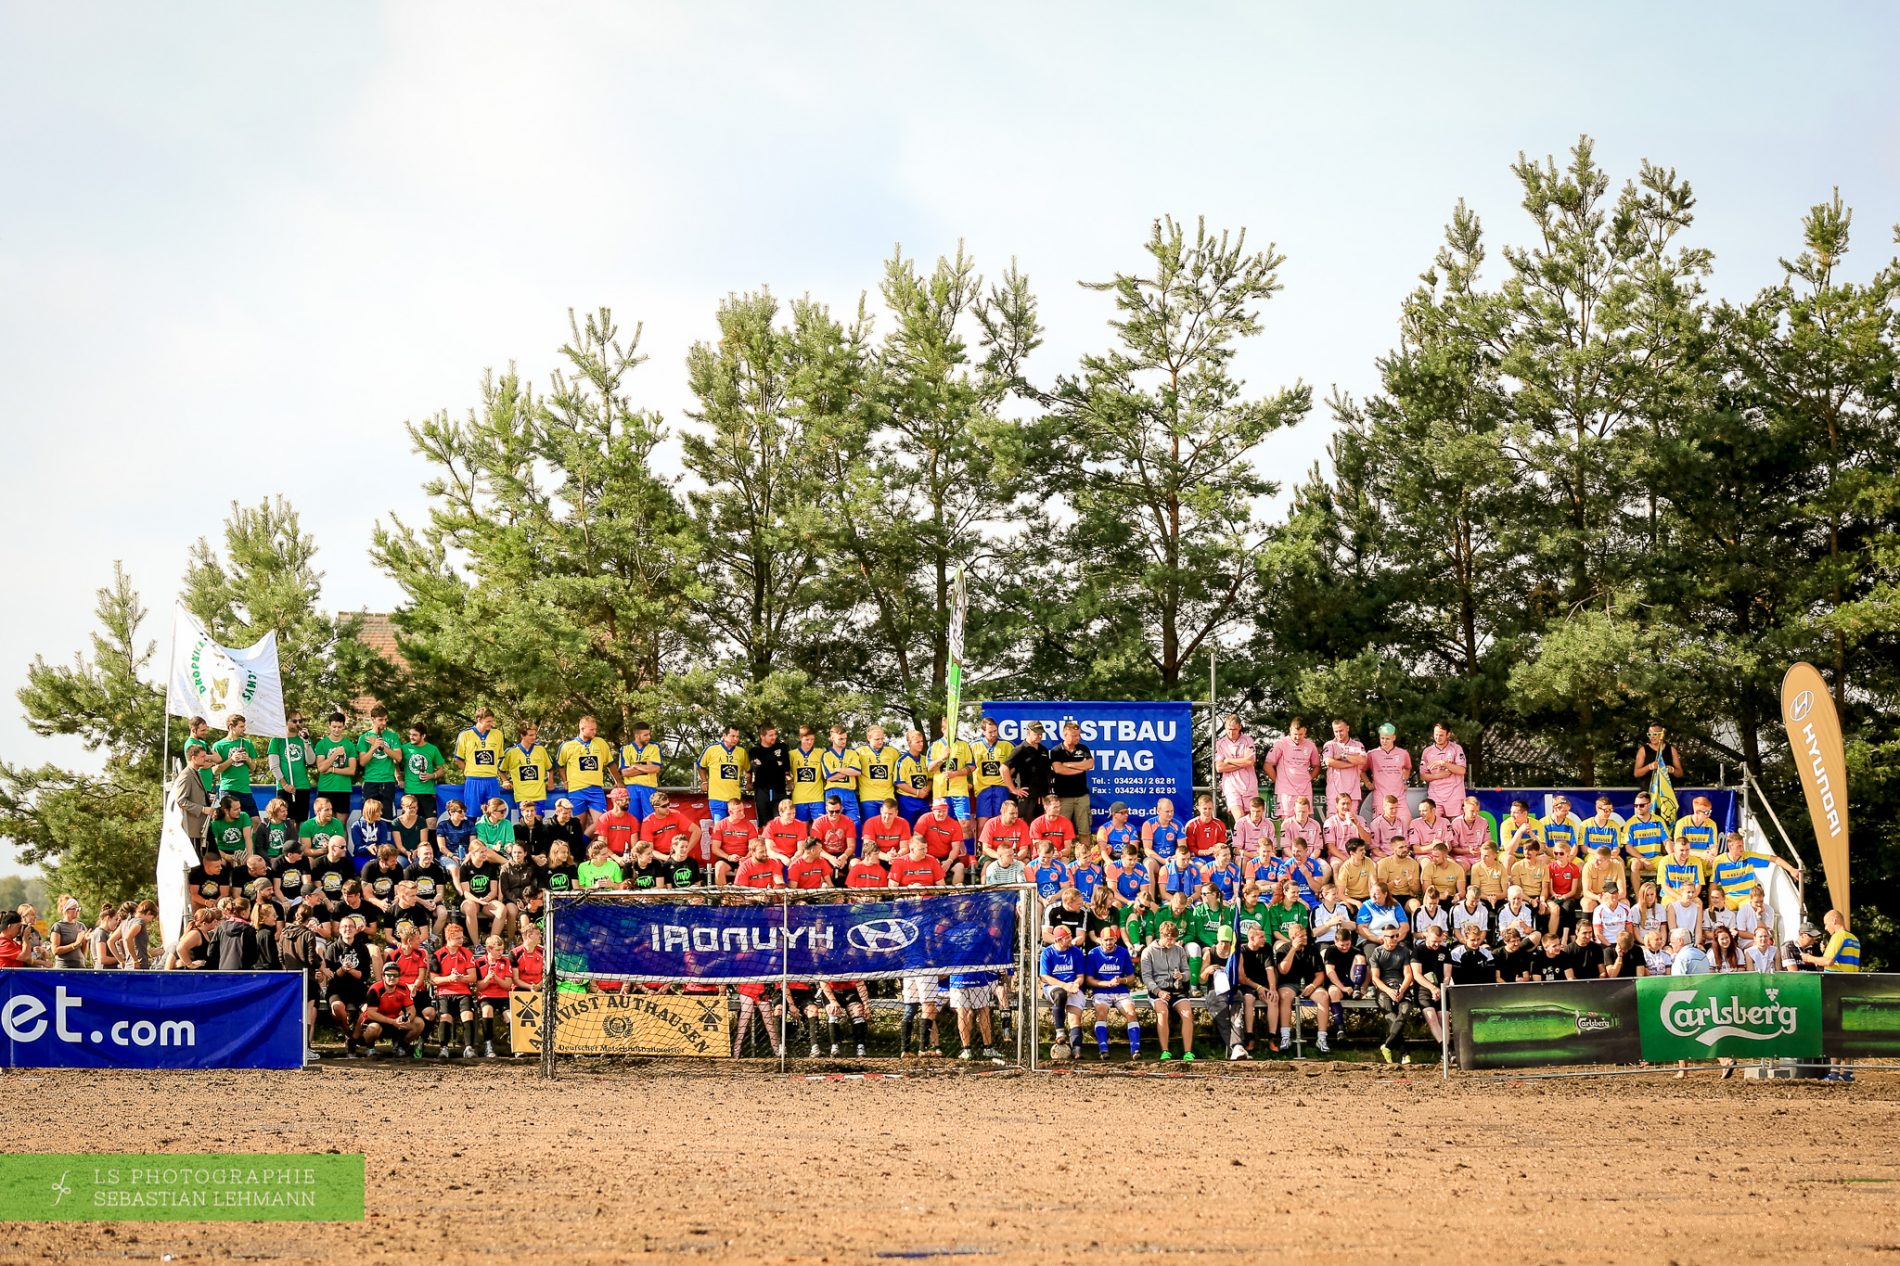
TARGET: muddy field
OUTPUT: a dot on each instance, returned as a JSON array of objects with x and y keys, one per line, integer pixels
[{"x": 1335, "y": 1164}]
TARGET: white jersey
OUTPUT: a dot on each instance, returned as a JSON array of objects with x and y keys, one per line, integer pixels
[
  {"x": 1524, "y": 919},
  {"x": 1609, "y": 921},
  {"x": 1462, "y": 914},
  {"x": 1323, "y": 915},
  {"x": 1762, "y": 959},
  {"x": 1685, "y": 915},
  {"x": 1658, "y": 961},
  {"x": 1747, "y": 919},
  {"x": 1422, "y": 919}
]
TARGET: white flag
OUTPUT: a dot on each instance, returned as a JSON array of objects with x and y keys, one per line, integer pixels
[
  {"x": 213, "y": 681},
  {"x": 176, "y": 857}
]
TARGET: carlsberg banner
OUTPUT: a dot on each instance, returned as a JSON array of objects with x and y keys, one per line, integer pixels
[
  {"x": 1774, "y": 1015},
  {"x": 213, "y": 681}
]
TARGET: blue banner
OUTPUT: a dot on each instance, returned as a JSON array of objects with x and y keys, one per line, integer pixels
[
  {"x": 763, "y": 939},
  {"x": 151, "y": 1019},
  {"x": 1144, "y": 752}
]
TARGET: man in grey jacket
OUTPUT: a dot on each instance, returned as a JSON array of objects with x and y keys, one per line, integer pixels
[
  {"x": 1164, "y": 974},
  {"x": 194, "y": 802}
]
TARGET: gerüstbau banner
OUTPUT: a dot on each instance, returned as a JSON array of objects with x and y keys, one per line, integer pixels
[{"x": 1143, "y": 752}]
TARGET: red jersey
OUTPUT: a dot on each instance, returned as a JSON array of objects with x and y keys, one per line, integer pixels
[
  {"x": 390, "y": 999},
  {"x": 660, "y": 828},
  {"x": 866, "y": 874},
  {"x": 916, "y": 872},
  {"x": 530, "y": 963},
  {"x": 1203, "y": 834},
  {"x": 450, "y": 964},
  {"x": 1053, "y": 827},
  {"x": 732, "y": 836},
  {"x": 1564, "y": 878},
  {"x": 786, "y": 838},
  {"x": 10, "y": 950},
  {"x": 836, "y": 835},
  {"x": 806, "y": 872},
  {"x": 617, "y": 828},
  {"x": 412, "y": 962},
  {"x": 997, "y": 832},
  {"x": 885, "y": 837},
  {"x": 940, "y": 838},
  {"x": 761, "y": 874},
  {"x": 495, "y": 976}
]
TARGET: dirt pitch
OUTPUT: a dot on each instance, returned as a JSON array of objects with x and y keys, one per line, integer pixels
[{"x": 1341, "y": 1164}]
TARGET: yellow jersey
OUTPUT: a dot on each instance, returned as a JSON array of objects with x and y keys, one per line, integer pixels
[
  {"x": 808, "y": 776},
  {"x": 725, "y": 771},
  {"x": 1556, "y": 830},
  {"x": 989, "y": 762},
  {"x": 479, "y": 753},
  {"x": 840, "y": 768},
  {"x": 913, "y": 776},
  {"x": 1738, "y": 877},
  {"x": 1510, "y": 829},
  {"x": 953, "y": 776},
  {"x": 584, "y": 761},
  {"x": 878, "y": 781},
  {"x": 1608, "y": 835},
  {"x": 527, "y": 769},
  {"x": 1702, "y": 836},
  {"x": 640, "y": 754}
]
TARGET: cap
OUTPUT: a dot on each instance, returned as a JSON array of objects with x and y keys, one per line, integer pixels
[
  {"x": 1809, "y": 928},
  {"x": 392, "y": 969},
  {"x": 1388, "y": 728},
  {"x": 11, "y": 919},
  {"x": 1225, "y": 935},
  {"x": 1034, "y": 727},
  {"x": 1118, "y": 807},
  {"x": 1385, "y": 926}
]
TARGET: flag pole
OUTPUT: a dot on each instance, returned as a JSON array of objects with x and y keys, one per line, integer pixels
[{"x": 165, "y": 739}]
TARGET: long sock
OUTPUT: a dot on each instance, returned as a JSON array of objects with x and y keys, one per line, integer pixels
[
  {"x": 1075, "y": 1037},
  {"x": 904, "y": 1027},
  {"x": 833, "y": 1026},
  {"x": 1101, "y": 1035},
  {"x": 858, "y": 1031},
  {"x": 1134, "y": 1039}
]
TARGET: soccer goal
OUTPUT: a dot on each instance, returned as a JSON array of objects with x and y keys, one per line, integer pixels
[{"x": 869, "y": 980}]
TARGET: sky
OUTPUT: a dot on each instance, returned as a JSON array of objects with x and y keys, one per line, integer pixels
[{"x": 242, "y": 244}]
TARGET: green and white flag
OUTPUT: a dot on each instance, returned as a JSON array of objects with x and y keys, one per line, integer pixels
[
  {"x": 959, "y": 610},
  {"x": 213, "y": 681}
]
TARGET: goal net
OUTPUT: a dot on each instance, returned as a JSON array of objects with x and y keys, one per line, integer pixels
[{"x": 834, "y": 978}]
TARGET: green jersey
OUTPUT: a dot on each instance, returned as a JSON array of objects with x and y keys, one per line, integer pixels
[
  {"x": 237, "y": 775},
  {"x": 293, "y": 761},
  {"x": 341, "y": 750},
  {"x": 205, "y": 776},
  {"x": 497, "y": 835},
  {"x": 1279, "y": 918},
  {"x": 1205, "y": 922},
  {"x": 380, "y": 768},
  {"x": 592, "y": 872},
  {"x": 228, "y": 835},
  {"x": 1141, "y": 926},
  {"x": 417, "y": 760},
  {"x": 1257, "y": 917},
  {"x": 272, "y": 838},
  {"x": 316, "y": 836}
]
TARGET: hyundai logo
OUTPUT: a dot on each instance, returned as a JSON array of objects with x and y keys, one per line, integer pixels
[
  {"x": 1802, "y": 704},
  {"x": 882, "y": 936}
]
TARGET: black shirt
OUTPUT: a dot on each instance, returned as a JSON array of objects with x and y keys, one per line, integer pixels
[
  {"x": 1253, "y": 965},
  {"x": 1626, "y": 970},
  {"x": 431, "y": 881},
  {"x": 1473, "y": 966},
  {"x": 292, "y": 877},
  {"x": 1060, "y": 916},
  {"x": 1431, "y": 962},
  {"x": 353, "y": 954},
  {"x": 1550, "y": 966},
  {"x": 1029, "y": 766},
  {"x": 683, "y": 873},
  {"x": 1340, "y": 960},
  {"x": 563, "y": 878},
  {"x": 379, "y": 880},
  {"x": 1069, "y": 786},
  {"x": 206, "y": 884},
  {"x": 649, "y": 874},
  {"x": 1390, "y": 964},
  {"x": 768, "y": 775},
  {"x": 1302, "y": 965},
  {"x": 398, "y": 919},
  {"x": 331, "y": 876},
  {"x": 1587, "y": 961},
  {"x": 520, "y": 884},
  {"x": 482, "y": 879},
  {"x": 1513, "y": 964}
]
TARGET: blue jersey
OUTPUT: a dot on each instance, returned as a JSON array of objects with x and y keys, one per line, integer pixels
[
  {"x": 1179, "y": 877},
  {"x": 1306, "y": 882},
  {"x": 1226, "y": 879},
  {"x": 1373, "y": 915},
  {"x": 1111, "y": 968},
  {"x": 1166, "y": 840},
  {"x": 1050, "y": 878},
  {"x": 1086, "y": 878},
  {"x": 1120, "y": 837},
  {"x": 1130, "y": 880},
  {"x": 1064, "y": 964}
]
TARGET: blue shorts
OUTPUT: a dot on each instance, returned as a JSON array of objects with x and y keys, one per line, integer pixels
[
  {"x": 910, "y": 810},
  {"x": 809, "y": 812},
  {"x": 959, "y": 807},
  {"x": 639, "y": 801},
  {"x": 990, "y": 801},
  {"x": 477, "y": 792},
  {"x": 849, "y": 799},
  {"x": 716, "y": 809},
  {"x": 586, "y": 798}
]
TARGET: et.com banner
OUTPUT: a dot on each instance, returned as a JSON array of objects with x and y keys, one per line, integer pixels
[
  {"x": 150, "y": 1019},
  {"x": 1144, "y": 752}
]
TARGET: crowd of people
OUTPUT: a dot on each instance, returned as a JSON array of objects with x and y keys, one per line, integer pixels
[{"x": 415, "y": 914}]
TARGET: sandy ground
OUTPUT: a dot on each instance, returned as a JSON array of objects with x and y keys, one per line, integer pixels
[{"x": 1334, "y": 1164}]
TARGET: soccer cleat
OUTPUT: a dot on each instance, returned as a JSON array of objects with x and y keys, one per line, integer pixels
[
  {"x": 1405, "y": 1059},
  {"x": 966, "y": 1053},
  {"x": 443, "y": 1053},
  {"x": 1167, "y": 1055},
  {"x": 1847, "y": 1074},
  {"x": 1322, "y": 1043},
  {"x": 835, "y": 1050},
  {"x": 990, "y": 1052},
  {"x": 860, "y": 1050},
  {"x": 468, "y": 1052},
  {"x": 488, "y": 1050},
  {"x": 1385, "y": 1053},
  {"x": 1831, "y": 1077},
  {"x": 1239, "y": 1052},
  {"x": 1188, "y": 1055},
  {"x": 814, "y": 1050},
  {"x": 312, "y": 1055}
]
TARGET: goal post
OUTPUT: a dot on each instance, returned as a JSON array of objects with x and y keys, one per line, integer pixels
[{"x": 865, "y": 979}]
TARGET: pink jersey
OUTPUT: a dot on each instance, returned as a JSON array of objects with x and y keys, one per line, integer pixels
[
  {"x": 1447, "y": 789},
  {"x": 1237, "y": 785},
  {"x": 1467, "y": 839},
  {"x": 1342, "y": 782},
  {"x": 1423, "y": 835},
  {"x": 1390, "y": 772},
  {"x": 1251, "y": 838},
  {"x": 1339, "y": 833},
  {"x": 1293, "y": 765},
  {"x": 1383, "y": 832},
  {"x": 1291, "y": 830}
]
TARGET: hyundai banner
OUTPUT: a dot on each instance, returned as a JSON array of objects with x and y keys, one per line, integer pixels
[
  {"x": 771, "y": 939},
  {"x": 125, "y": 1019},
  {"x": 1143, "y": 752}
]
